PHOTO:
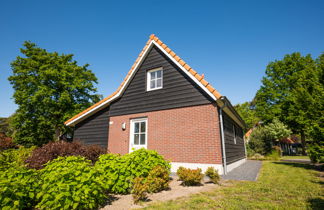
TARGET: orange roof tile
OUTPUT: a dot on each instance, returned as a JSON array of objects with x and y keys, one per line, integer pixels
[{"x": 172, "y": 54}]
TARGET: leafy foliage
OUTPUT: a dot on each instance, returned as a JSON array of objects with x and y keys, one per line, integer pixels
[
  {"x": 262, "y": 138},
  {"x": 213, "y": 175},
  {"x": 5, "y": 126},
  {"x": 190, "y": 177},
  {"x": 14, "y": 158},
  {"x": 293, "y": 91},
  {"x": 52, "y": 150},
  {"x": 18, "y": 188},
  {"x": 6, "y": 142},
  {"x": 260, "y": 141},
  {"x": 49, "y": 89},
  {"x": 247, "y": 112},
  {"x": 316, "y": 153},
  {"x": 158, "y": 179},
  {"x": 118, "y": 171},
  {"x": 277, "y": 130},
  {"x": 139, "y": 189},
  {"x": 70, "y": 183}
]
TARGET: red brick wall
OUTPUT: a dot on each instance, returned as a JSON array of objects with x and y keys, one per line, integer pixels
[{"x": 189, "y": 134}]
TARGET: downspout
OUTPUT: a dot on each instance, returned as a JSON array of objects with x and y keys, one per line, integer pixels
[{"x": 222, "y": 134}]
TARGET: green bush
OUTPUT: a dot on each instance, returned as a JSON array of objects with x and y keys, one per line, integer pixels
[
  {"x": 14, "y": 157},
  {"x": 118, "y": 172},
  {"x": 316, "y": 153},
  {"x": 213, "y": 175},
  {"x": 274, "y": 155},
  {"x": 190, "y": 177},
  {"x": 70, "y": 183},
  {"x": 139, "y": 189},
  {"x": 18, "y": 188},
  {"x": 158, "y": 179}
]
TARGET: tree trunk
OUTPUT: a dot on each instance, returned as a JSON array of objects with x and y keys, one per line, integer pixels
[
  {"x": 303, "y": 142},
  {"x": 57, "y": 134}
]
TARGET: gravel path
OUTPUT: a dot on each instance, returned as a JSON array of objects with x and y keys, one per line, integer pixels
[{"x": 247, "y": 171}]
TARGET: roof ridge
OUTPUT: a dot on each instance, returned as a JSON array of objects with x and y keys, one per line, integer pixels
[{"x": 154, "y": 38}]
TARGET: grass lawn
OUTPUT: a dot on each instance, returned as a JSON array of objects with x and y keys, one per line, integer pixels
[
  {"x": 295, "y": 157},
  {"x": 281, "y": 185}
]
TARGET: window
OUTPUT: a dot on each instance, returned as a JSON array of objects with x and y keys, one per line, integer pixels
[
  {"x": 234, "y": 134},
  {"x": 154, "y": 79}
]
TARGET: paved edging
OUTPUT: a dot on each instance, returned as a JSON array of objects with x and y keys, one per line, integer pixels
[{"x": 247, "y": 171}]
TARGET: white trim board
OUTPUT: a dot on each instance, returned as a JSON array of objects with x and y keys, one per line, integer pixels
[{"x": 122, "y": 89}]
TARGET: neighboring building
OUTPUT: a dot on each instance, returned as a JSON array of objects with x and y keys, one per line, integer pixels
[{"x": 165, "y": 105}]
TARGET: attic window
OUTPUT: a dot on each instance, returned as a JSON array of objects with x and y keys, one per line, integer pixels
[{"x": 154, "y": 79}]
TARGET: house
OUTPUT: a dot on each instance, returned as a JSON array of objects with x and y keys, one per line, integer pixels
[{"x": 165, "y": 105}]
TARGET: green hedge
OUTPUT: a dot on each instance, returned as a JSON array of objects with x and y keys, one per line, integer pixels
[
  {"x": 18, "y": 187},
  {"x": 118, "y": 171},
  {"x": 72, "y": 182}
]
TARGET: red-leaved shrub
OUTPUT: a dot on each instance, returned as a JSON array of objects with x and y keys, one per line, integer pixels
[
  {"x": 52, "y": 150},
  {"x": 6, "y": 142}
]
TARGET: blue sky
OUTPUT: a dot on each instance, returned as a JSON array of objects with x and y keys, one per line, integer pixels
[{"x": 231, "y": 42}]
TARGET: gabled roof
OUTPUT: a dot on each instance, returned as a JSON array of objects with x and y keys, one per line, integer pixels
[{"x": 153, "y": 41}]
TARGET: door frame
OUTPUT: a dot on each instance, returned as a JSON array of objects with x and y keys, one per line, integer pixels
[{"x": 131, "y": 132}]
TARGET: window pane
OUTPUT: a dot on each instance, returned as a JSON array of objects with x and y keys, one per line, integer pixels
[
  {"x": 143, "y": 127},
  {"x": 152, "y": 85},
  {"x": 136, "y": 139},
  {"x": 136, "y": 127},
  {"x": 153, "y": 75},
  {"x": 142, "y": 139},
  {"x": 159, "y": 74},
  {"x": 159, "y": 83}
]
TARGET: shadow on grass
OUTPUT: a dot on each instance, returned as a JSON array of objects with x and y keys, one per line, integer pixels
[
  {"x": 316, "y": 203},
  {"x": 301, "y": 165}
]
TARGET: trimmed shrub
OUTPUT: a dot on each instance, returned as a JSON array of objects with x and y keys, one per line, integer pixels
[
  {"x": 139, "y": 189},
  {"x": 213, "y": 175},
  {"x": 14, "y": 157},
  {"x": 158, "y": 179},
  {"x": 6, "y": 142},
  {"x": 190, "y": 177},
  {"x": 118, "y": 172},
  {"x": 70, "y": 183},
  {"x": 316, "y": 153},
  {"x": 18, "y": 188},
  {"x": 257, "y": 156},
  {"x": 275, "y": 153},
  {"x": 52, "y": 150}
]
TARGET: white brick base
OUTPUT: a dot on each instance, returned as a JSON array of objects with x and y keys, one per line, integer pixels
[
  {"x": 203, "y": 166},
  {"x": 235, "y": 164}
]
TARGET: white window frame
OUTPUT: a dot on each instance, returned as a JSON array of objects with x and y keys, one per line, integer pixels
[
  {"x": 234, "y": 134},
  {"x": 148, "y": 80},
  {"x": 131, "y": 139}
]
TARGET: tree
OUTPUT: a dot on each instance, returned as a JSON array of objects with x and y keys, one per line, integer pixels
[
  {"x": 292, "y": 92},
  {"x": 264, "y": 137},
  {"x": 276, "y": 130},
  {"x": 5, "y": 126},
  {"x": 247, "y": 112},
  {"x": 49, "y": 89}
]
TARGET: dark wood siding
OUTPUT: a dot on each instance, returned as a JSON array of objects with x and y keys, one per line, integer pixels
[
  {"x": 234, "y": 152},
  {"x": 94, "y": 129},
  {"x": 178, "y": 89}
]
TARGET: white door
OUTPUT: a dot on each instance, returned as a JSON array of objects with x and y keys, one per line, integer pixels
[{"x": 138, "y": 134}]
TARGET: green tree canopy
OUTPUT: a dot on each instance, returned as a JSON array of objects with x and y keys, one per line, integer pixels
[
  {"x": 292, "y": 92},
  {"x": 49, "y": 88},
  {"x": 248, "y": 113}
]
